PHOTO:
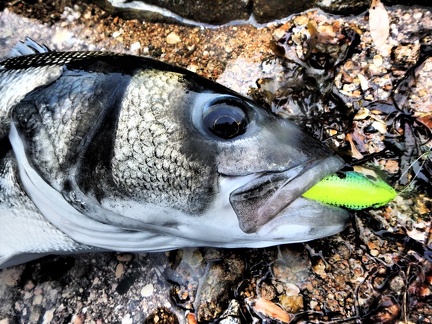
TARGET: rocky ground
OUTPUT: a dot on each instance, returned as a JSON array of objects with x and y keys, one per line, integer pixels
[{"x": 371, "y": 102}]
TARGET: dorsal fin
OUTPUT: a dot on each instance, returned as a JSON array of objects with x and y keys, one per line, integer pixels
[{"x": 28, "y": 47}]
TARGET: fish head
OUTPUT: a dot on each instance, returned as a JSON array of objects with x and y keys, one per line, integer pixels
[{"x": 264, "y": 164}]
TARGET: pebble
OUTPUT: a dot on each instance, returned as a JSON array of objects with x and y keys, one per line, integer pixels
[
  {"x": 192, "y": 67},
  {"x": 374, "y": 252},
  {"x": 173, "y": 38},
  {"x": 135, "y": 46},
  {"x": 147, "y": 290},
  {"x": 10, "y": 276},
  {"x": 397, "y": 284},
  {"x": 124, "y": 257},
  {"x": 48, "y": 316},
  {"x": 380, "y": 126},
  {"x": 119, "y": 270},
  {"x": 364, "y": 83},
  {"x": 291, "y": 289},
  {"x": 117, "y": 33},
  {"x": 417, "y": 15},
  {"x": 127, "y": 319},
  {"x": 37, "y": 300},
  {"x": 377, "y": 60}
]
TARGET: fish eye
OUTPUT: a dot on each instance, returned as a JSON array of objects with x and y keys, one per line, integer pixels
[{"x": 225, "y": 117}]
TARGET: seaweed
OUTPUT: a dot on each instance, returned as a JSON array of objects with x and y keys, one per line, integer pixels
[{"x": 304, "y": 91}]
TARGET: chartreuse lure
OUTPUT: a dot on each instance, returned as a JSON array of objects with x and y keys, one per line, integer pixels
[{"x": 351, "y": 189}]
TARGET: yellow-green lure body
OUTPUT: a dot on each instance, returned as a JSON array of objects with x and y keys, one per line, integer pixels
[{"x": 351, "y": 190}]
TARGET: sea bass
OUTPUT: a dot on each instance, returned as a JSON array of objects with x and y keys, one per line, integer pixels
[{"x": 102, "y": 151}]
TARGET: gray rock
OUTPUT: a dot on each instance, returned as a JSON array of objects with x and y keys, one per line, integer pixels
[
  {"x": 185, "y": 11},
  {"x": 343, "y": 6},
  {"x": 211, "y": 12},
  {"x": 269, "y": 10},
  {"x": 199, "y": 12},
  {"x": 349, "y": 7}
]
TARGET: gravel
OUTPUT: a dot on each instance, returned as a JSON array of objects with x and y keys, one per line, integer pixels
[{"x": 378, "y": 270}]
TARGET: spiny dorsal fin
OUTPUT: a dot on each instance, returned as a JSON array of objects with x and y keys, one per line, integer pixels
[{"x": 28, "y": 47}]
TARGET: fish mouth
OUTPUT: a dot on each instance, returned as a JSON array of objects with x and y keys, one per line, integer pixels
[{"x": 269, "y": 195}]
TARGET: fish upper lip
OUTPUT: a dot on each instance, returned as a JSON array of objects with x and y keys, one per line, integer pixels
[{"x": 262, "y": 199}]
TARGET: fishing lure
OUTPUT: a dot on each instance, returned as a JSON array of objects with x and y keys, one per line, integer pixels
[{"x": 351, "y": 189}]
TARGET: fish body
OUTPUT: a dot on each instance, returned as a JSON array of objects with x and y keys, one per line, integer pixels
[{"x": 102, "y": 151}]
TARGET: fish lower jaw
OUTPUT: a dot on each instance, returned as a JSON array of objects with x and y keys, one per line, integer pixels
[{"x": 305, "y": 220}]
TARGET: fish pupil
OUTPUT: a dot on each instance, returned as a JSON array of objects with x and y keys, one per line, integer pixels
[
  {"x": 225, "y": 119},
  {"x": 226, "y": 127}
]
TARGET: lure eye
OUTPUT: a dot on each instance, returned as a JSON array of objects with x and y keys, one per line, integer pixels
[
  {"x": 226, "y": 118},
  {"x": 371, "y": 177}
]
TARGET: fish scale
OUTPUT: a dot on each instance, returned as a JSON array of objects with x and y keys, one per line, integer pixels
[
  {"x": 154, "y": 182},
  {"x": 58, "y": 137},
  {"x": 14, "y": 85}
]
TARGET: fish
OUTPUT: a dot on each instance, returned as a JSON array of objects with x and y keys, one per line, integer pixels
[{"x": 114, "y": 152}]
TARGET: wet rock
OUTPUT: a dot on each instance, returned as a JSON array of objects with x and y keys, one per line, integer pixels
[
  {"x": 209, "y": 12},
  {"x": 347, "y": 7},
  {"x": 226, "y": 11},
  {"x": 269, "y": 10},
  {"x": 217, "y": 286},
  {"x": 343, "y": 6},
  {"x": 132, "y": 11}
]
